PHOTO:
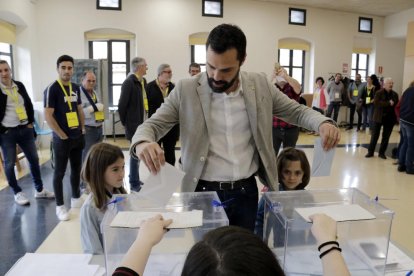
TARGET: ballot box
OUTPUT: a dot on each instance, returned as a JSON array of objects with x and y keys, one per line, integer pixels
[
  {"x": 363, "y": 234},
  {"x": 168, "y": 256}
]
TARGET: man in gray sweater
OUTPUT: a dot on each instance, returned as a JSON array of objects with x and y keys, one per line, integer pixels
[{"x": 334, "y": 90}]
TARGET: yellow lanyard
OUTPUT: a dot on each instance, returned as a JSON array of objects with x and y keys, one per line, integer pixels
[
  {"x": 144, "y": 95},
  {"x": 68, "y": 99},
  {"x": 13, "y": 94},
  {"x": 163, "y": 91},
  {"x": 93, "y": 97}
]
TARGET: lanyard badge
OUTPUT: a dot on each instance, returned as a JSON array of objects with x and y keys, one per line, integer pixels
[{"x": 71, "y": 116}]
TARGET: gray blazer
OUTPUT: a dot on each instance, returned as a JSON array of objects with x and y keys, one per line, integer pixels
[{"x": 189, "y": 105}]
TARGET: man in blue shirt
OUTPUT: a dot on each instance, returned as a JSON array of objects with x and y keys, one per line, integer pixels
[{"x": 64, "y": 114}]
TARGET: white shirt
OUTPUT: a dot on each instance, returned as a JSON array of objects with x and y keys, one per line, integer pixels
[
  {"x": 232, "y": 153},
  {"x": 10, "y": 118}
]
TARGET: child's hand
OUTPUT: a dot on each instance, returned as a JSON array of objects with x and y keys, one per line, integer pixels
[
  {"x": 153, "y": 229},
  {"x": 323, "y": 228}
]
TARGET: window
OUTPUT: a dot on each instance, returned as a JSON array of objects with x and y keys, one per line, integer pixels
[
  {"x": 360, "y": 65},
  {"x": 198, "y": 54},
  {"x": 117, "y": 54},
  {"x": 6, "y": 54},
  {"x": 297, "y": 16},
  {"x": 212, "y": 8},
  {"x": 294, "y": 63},
  {"x": 365, "y": 25},
  {"x": 109, "y": 4}
]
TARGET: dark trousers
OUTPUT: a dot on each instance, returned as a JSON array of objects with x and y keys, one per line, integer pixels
[
  {"x": 333, "y": 106},
  {"x": 93, "y": 135},
  {"x": 240, "y": 204},
  {"x": 352, "y": 108},
  {"x": 406, "y": 154},
  {"x": 386, "y": 133},
  {"x": 367, "y": 111},
  {"x": 286, "y": 136},
  {"x": 134, "y": 180},
  {"x": 24, "y": 137},
  {"x": 168, "y": 144},
  {"x": 64, "y": 150}
]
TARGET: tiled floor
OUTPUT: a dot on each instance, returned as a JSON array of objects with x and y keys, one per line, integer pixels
[{"x": 23, "y": 229}]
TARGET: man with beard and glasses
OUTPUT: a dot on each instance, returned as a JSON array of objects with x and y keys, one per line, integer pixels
[{"x": 225, "y": 118}]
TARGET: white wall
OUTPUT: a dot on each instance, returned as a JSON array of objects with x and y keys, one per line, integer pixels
[
  {"x": 162, "y": 28},
  {"x": 396, "y": 24},
  {"x": 22, "y": 14}
]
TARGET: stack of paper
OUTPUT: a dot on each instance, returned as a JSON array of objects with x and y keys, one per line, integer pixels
[
  {"x": 133, "y": 219},
  {"x": 337, "y": 212},
  {"x": 34, "y": 264}
]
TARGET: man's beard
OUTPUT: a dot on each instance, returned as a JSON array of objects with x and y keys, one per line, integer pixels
[{"x": 224, "y": 84}]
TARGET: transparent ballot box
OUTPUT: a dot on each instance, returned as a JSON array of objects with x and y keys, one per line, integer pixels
[
  {"x": 167, "y": 258},
  {"x": 364, "y": 242}
]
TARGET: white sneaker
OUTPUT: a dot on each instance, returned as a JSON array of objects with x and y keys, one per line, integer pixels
[
  {"x": 62, "y": 213},
  {"x": 44, "y": 194},
  {"x": 76, "y": 202},
  {"x": 21, "y": 199}
]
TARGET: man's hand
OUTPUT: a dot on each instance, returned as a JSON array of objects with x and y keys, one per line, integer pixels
[
  {"x": 330, "y": 135},
  {"x": 152, "y": 155}
]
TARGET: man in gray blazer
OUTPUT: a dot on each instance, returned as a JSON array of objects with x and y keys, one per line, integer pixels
[{"x": 225, "y": 121}]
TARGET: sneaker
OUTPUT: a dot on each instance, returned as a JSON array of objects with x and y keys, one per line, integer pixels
[
  {"x": 76, "y": 202},
  {"x": 62, "y": 213},
  {"x": 44, "y": 194},
  {"x": 21, "y": 199}
]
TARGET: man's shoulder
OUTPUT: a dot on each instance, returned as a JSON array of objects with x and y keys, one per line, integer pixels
[
  {"x": 130, "y": 78},
  {"x": 193, "y": 81},
  {"x": 152, "y": 83},
  {"x": 52, "y": 87},
  {"x": 253, "y": 75},
  {"x": 75, "y": 87},
  {"x": 18, "y": 83}
]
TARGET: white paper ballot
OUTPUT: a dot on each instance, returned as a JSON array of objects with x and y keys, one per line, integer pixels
[
  {"x": 130, "y": 219},
  {"x": 337, "y": 212},
  {"x": 53, "y": 264},
  {"x": 160, "y": 187},
  {"x": 322, "y": 160}
]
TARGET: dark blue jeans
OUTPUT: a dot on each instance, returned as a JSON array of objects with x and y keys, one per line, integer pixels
[
  {"x": 258, "y": 227},
  {"x": 406, "y": 154},
  {"x": 134, "y": 181},
  {"x": 93, "y": 135},
  {"x": 64, "y": 150},
  {"x": 240, "y": 204},
  {"x": 24, "y": 137},
  {"x": 271, "y": 225},
  {"x": 367, "y": 111}
]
